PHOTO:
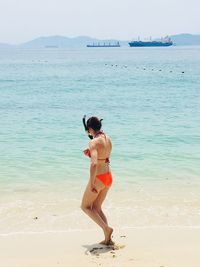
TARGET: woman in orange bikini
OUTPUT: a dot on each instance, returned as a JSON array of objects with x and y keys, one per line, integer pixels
[{"x": 100, "y": 176}]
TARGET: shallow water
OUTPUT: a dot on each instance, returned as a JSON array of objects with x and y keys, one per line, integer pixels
[{"x": 149, "y": 100}]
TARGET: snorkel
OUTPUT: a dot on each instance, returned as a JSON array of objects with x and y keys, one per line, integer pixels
[{"x": 86, "y": 128}]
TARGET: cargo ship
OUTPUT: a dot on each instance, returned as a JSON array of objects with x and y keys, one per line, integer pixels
[
  {"x": 104, "y": 45},
  {"x": 164, "y": 42}
]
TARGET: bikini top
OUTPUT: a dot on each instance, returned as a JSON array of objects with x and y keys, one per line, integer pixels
[{"x": 87, "y": 151}]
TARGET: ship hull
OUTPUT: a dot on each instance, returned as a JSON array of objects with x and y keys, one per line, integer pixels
[{"x": 149, "y": 44}]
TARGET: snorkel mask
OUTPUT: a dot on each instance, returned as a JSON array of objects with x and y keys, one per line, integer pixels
[{"x": 86, "y": 128}]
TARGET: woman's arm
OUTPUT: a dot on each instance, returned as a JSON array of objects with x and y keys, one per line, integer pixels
[{"x": 93, "y": 164}]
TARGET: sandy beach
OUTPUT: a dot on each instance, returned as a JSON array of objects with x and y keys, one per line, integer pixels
[
  {"x": 149, "y": 102},
  {"x": 139, "y": 247}
]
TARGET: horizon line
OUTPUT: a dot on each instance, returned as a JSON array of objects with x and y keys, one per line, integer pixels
[{"x": 87, "y": 36}]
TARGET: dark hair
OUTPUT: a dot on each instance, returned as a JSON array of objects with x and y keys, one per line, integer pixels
[{"x": 94, "y": 123}]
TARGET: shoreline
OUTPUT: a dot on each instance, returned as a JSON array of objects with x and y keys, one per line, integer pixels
[
  {"x": 141, "y": 247},
  {"x": 138, "y": 205},
  {"x": 168, "y": 227}
]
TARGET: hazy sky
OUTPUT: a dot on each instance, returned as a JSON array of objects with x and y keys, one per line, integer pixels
[{"x": 23, "y": 20}]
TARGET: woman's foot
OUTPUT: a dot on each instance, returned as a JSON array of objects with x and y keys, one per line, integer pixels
[
  {"x": 111, "y": 243},
  {"x": 108, "y": 241}
]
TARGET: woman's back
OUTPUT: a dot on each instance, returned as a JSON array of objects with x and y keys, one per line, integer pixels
[{"x": 104, "y": 147}]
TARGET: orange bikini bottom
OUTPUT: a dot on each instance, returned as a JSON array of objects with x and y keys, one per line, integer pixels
[{"x": 105, "y": 178}]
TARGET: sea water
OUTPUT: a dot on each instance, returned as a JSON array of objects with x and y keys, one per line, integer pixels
[{"x": 149, "y": 100}]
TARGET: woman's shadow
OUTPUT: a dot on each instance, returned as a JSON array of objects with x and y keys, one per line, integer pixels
[{"x": 96, "y": 249}]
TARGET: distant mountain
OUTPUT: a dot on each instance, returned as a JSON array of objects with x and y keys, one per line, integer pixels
[
  {"x": 186, "y": 39},
  {"x": 82, "y": 41},
  {"x": 61, "y": 42},
  {"x": 54, "y": 41}
]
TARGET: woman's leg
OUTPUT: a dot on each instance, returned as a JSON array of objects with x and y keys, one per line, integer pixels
[
  {"x": 87, "y": 206},
  {"x": 98, "y": 203},
  {"x": 97, "y": 206}
]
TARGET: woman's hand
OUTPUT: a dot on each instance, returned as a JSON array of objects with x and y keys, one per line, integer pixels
[
  {"x": 93, "y": 188},
  {"x": 87, "y": 152}
]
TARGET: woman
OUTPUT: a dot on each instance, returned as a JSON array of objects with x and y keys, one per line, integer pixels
[{"x": 100, "y": 176}]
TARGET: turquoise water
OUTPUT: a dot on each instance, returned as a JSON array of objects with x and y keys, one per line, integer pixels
[{"x": 148, "y": 99}]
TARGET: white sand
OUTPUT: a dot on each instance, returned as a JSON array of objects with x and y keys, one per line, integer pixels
[{"x": 144, "y": 247}]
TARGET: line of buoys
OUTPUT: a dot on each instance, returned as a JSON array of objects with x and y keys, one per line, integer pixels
[
  {"x": 160, "y": 70},
  {"x": 115, "y": 65},
  {"x": 144, "y": 68}
]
